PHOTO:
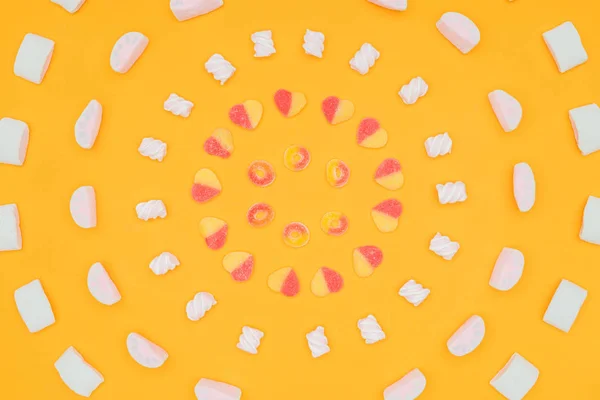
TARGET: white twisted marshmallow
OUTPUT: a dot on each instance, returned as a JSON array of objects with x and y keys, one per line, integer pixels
[
  {"x": 164, "y": 263},
  {"x": 151, "y": 210},
  {"x": 317, "y": 342},
  {"x": 314, "y": 43},
  {"x": 370, "y": 330},
  {"x": 199, "y": 305},
  {"x": 452, "y": 192},
  {"x": 414, "y": 292},
  {"x": 250, "y": 340},
  {"x": 178, "y": 105},
  {"x": 364, "y": 58},
  {"x": 153, "y": 148},
  {"x": 443, "y": 246},
  {"x": 414, "y": 89},
  {"x": 263, "y": 43},
  {"x": 438, "y": 145},
  {"x": 220, "y": 68}
]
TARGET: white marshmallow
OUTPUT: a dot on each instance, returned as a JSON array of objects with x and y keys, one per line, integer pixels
[
  {"x": 459, "y": 30},
  {"x": 451, "y": 192},
  {"x": 88, "y": 125},
  {"x": 151, "y": 209},
  {"x": 317, "y": 342},
  {"x": 408, "y": 388},
  {"x": 468, "y": 337},
  {"x": 188, "y": 9},
  {"x": 199, "y": 305},
  {"x": 10, "y": 228},
  {"x": 220, "y": 68},
  {"x": 164, "y": 263},
  {"x": 250, "y": 340},
  {"x": 396, "y": 5},
  {"x": 443, "y": 246},
  {"x": 263, "y": 44},
  {"x": 207, "y": 389},
  {"x": 516, "y": 378},
  {"x": 508, "y": 110},
  {"x": 314, "y": 43},
  {"x": 144, "y": 352},
  {"x": 508, "y": 269},
  {"x": 101, "y": 286},
  {"x": 152, "y": 148},
  {"x": 14, "y": 139},
  {"x": 83, "y": 207},
  {"x": 71, "y": 6},
  {"x": 178, "y": 105},
  {"x": 33, "y": 58},
  {"x": 565, "y": 305},
  {"x": 585, "y": 121},
  {"x": 413, "y": 90},
  {"x": 565, "y": 45},
  {"x": 34, "y": 307},
  {"x": 364, "y": 58},
  {"x": 590, "y": 226},
  {"x": 370, "y": 330},
  {"x": 438, "y": 145},
  {"x": 77, "y": 374},
  {"x": 127, "y": 50},
  {"x": 524, "y": 186},
  {"x": 414, "y": 292}
]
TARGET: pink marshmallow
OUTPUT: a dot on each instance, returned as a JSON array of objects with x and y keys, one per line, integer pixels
[
  {"x": 83, "y": 207},
  {"x": 459, "y": 30},
  {"x": 88, "y": 125},
  {"x": 187, "y": 9},
  {"x": 101, "y": 286},
  {"x": 524, "y": 186},
  {"x": 508, "y": 269},
  {"x": 127, "y": 50},
  {"x": 467, "y": 337},
  {"x": 207, "y": 389},
  {"x": 408, "y": 388},
  {"x": 508, "y": 110},
  {"x": 144, "y": 352}
]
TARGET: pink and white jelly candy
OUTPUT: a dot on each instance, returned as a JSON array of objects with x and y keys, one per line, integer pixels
[
  {"x": 468, "y": 337},
  {"x": 459, "y": 30},
  {"x": 524, "y": 186},
  {"x": 127, "y": 50},
  {"x": 207, "y": 389},
  {"x": 508, "y": 269},
  {"x": 187, "y": 9},
  {"x": 408, "y": 388},
  {"x": 144, "y": 352},
  {"x": 83, "y": 207},
  {"x": 508, "y": 110},
  {"x": 101, "y": 286},
  {"x": 88, "y": 125}
]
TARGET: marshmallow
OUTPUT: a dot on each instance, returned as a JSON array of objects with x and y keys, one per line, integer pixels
[
  {"x": 516, "y": 378},
  {"x": 317, "y": 342},
  {"x": 364, "y": 58},
  {"x": 101, "y": 286},
  {"x": 199, "y": 305},
  {"x": 34, "y": 307},
  {"x": 144, "y": 352},
  {"x": 263, "y": 43},
  {"x": 508, "y": 110},
  {"x": 565, "y": 305},
  {"x": 314, "y": 43},
  {"x": 396, "y": 5},
  {"x": 178, "y": 105},
  {"x": 71, "y": 6},
  {"x": 459, "y": 30},
  {"x": 164, "y": 263},
  {"x": 468, "y": 337},
  {"x": 83, "y": 207},
  {"x": 413, "y": 90},
  {"x": 33, "y": 58},
  {"x": 443, "y": 246},
  {"x": 590, "y": 226},
  {"x": 250, "y": 340},
  {"x": 188, "y": 9},
  {"x": 408, "y": 388},
  {"x": 508, "y": 269},
  {"x": 10, "y": 229},
  {"x": 151, "y": 210},
  {"x": 207, "y": 389},
  {"x": 77, "y": 374},
  {"x": 414, "y": 292},
  {"x": 524, "y": 186},
  {"x": 438, "y": 145},
  {"x": 219, "y": 67},
  {"x": 127, "y": 50},
  {"x": 152, "y": 148},
  {"x": 585, "y": 121},
  {"x": 14, "y": 139},
  {"x": 88, "y": 125},
  {"x": 565, "y": 45},
  {"x": 370, "y": 330},
  {"x": 452, "y": 192}
]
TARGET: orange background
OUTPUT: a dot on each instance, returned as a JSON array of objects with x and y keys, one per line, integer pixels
[{"x": 511, "y": 56}]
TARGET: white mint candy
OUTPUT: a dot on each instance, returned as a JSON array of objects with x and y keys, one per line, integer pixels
[
  {"x": 88, "y": 125},
  {"x": 250, "y": 340},
  {"x": 412, "y": 91},
  {"x": 459, "y": 30},
  {"x": 127, "y": 50},
  {"x": 187, "y": 9},
  {"x": 71, "y": 6},
  {"x": 565, "y": 305},
  {"x": 508, "y": 110},
  {"x": 409, "y": 387},
  {"x": 101, "y": 286},
  {"x": 220, "y": 68},
  {"x": 508, "y": 269},
  {"x": 364, "y": 58},
  {"x": 263, "y": 43},
  {"x": 83, "y": 207},
  {"x": 14, "y": 140},
  {"x": 590, "y": 226},
  {"x": 207, "y": 389},
  {"x": 314, "y": 43},
  {"x": 151, "y": 210},
  {"x": 524, "y": 186},
  {"x": 443, "y": 246},
  {"x": 516, "y": 378},
  {"x": 585, "y": 121},
  {"x": 152, "y": 148},
  {"x": 33, "y": 58},
  {"x": 468, "y": 337},
  {"x": 565, "y": 45},
  {"x": 317, "y": 342},
  {"x": 199, "y": 305},
  {"x": 144, "y": 352},
  {"x": 77, "y": 374},
  {"x": 34, "y": 307},
  {"x": 452, "y": 192},
  {"x": 178, "y": 105},
  {"x": 396, "y": 5},
  {"x": 10, "y": 228},
  {"x": 370, "y": 330},
  {"x": 438, "y": 145}
]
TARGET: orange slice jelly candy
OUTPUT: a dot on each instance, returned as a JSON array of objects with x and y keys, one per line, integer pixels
[
  {"x": 337, "y": 173},
  {"x": 334, "y": 223},
  {"x": 296, "y": 234},
  {"x": 296, "y": 158},
  {"x": 260, "y": 214},
  {"x": 261, "y": 173},
  {"x": 284, "y": 281}
]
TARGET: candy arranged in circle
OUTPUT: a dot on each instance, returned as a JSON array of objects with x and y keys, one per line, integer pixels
[
  {"x": 206, "y": 185},
  {"x": 284, "y": 281},
  {"x": 389, "y": 174},
  {"x": 289, "y": 103},
  {"x": 326, "y": 281},
  {"x": 370, "y": 134},
  {"x": 261, "y": 173},
  {"x": 219, "y": 143},
  {"x": 386, "y": 215},
  {"x": 246, "y": 115},
  {"x": 366, "y": 259},
  {"x": 296, "y": 158},
  {"x": 296, "y": 234},
  {"x": 337, "y": 173},
  {"x": 334, "y": 223},
  {"x": 214, "y": 232},
  {"x": 239, "y": 264},
  {"x": 336, "y": 110},
  {"x": 260, "y": 214}
]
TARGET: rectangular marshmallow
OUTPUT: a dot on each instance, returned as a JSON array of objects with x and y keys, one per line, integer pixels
[
  {"x": 207, "y": 389},
  {"x": 565, "y": 305},
  {"x": 590, "y": 226},
  {"x": 34, "y": 307},
  {"x": 516, "y": 378},
  {"x": 33, "y": 58},
  {"x": 10, "y": 230},
  {"x": 565, "y": 45},
  {"x": 14, "y": 139},
  {"x": 77, "y": 374},
  {"x": 585, "y": 121},
  {"x": 70, "y": 5}
]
